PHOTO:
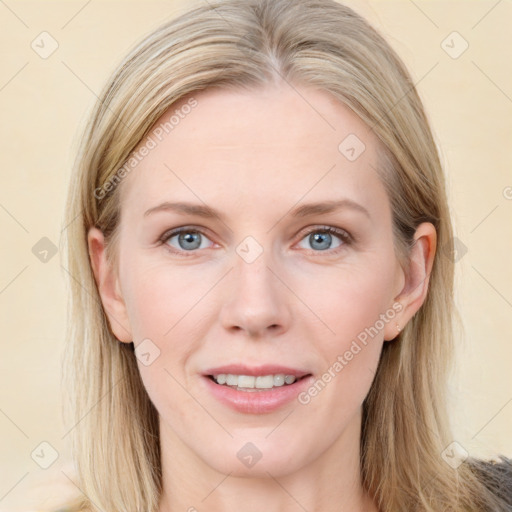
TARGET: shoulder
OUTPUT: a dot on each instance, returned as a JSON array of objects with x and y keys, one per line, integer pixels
[{"x": 496, "y": 475}]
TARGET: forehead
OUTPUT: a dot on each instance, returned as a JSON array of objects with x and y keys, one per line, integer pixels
[{"x": 273, "y": 142}]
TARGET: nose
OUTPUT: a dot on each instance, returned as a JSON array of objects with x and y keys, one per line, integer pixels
[{"x": 257, "y": 303}]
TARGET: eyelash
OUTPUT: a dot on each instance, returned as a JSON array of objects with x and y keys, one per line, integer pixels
[{"x": 345, "y": 237}]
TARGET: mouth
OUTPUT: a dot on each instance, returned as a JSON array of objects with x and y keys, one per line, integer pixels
[{"x": 255, "y": 390}]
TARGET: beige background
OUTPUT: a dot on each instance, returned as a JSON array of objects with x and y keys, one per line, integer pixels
[{"x": 45, "y": 101}]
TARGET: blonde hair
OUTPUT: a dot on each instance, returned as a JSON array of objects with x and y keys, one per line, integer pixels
[{"x": 249, "y": 43}]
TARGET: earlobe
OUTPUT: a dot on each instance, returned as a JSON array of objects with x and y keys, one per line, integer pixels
[
  {"x": 108, "y": 286},
  {"x": 417, "y": 277}
]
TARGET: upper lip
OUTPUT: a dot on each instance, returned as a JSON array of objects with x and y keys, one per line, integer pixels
[{"x": 266, "y": 369}]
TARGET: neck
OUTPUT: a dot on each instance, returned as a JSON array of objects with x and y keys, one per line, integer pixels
[{"x": 329, "y": 483}]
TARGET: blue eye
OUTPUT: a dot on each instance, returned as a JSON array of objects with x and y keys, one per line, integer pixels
[
  {"x": 321, "y": 239},
  {"x": 188, "y": 240}
]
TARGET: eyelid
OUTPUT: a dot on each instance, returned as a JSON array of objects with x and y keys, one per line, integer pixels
[
  {"x": 340, "y": 232},
  {"x": 176, "y": 231}
]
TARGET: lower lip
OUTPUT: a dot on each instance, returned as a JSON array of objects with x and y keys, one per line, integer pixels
[{"x": 257, "y": 402}]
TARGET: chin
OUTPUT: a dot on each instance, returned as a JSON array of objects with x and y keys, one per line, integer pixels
[{"x": 259, "y": 457}]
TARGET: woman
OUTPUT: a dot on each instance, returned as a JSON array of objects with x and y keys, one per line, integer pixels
[{"x": 260, "y": 315}]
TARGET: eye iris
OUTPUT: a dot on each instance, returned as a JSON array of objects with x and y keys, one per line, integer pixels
[
  {"x": 321, "y": 237},
  {"x": 190, "y": 240},
  {"x": 189, "y": 237}
]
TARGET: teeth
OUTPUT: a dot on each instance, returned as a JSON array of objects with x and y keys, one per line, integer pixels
[
  {"x": 265, "y": 382},
  {"x": 289, "y": 379},
  {"x": 279, "y": 379},
  {"x": 245, "y": 381},
  {"x": 259, "y": 382},
  {"x": 231, "y": 380}
]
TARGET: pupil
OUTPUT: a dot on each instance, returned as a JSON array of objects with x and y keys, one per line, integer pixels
[
  {"x": 319, "y": 237},
  {"x": 189, "y": 238}
]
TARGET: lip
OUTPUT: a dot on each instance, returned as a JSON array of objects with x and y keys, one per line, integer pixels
[{"x": 256, "y": 402}]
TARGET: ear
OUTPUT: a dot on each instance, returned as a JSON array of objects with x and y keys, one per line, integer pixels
[
  {"x": 107, "y": 282},
  {"x": 416, "y": 278}
]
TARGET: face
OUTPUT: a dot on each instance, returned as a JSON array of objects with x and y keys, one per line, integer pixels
[{"x": 268, "y": 286}]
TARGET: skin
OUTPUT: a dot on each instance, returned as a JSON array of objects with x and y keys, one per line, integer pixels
[{"x": 254, "y": 156}]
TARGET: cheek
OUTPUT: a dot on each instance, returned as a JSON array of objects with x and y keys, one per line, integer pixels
[
  {"x": 350, "y": 300},
  {"x": 161, "y": 302},
  {"x": 355, "y": 303},
  {"x": 360, "y": 308},
  {"x": 160, "y": 297}
]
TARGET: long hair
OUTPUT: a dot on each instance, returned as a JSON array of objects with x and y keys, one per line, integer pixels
[{"x": 246, "y": 44}]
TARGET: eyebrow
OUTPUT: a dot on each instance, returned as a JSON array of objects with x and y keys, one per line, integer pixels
[{"x": 304, "y": 210}]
